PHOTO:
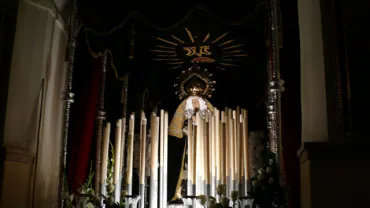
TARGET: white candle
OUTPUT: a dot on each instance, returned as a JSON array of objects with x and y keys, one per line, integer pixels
[
  {"x": 154, "y": 128},
  {"x": 201, "y": 149},
  {"x": 117, "y": 152},
  {"x": 130, "y": 152},
  {"x": 190, "y": 158},
  {"x": 105, "y": 155},
  {"x": 235, "y": 135},
  {"x": 231, "y": 142},
  {"x": 245, "y": 144},
  {"x": 165, "y": 156},
  {"x": 143, "y": 124},
  {"x": 196, "y": 154},
  {"x": 212, "y": 146},
  {"x": 161, "y": 160},
  {"x": 223, "y": 149},
  {"x": 206, "y": 149},
  {"x": 218, "y": 143},
  {"x": 227, "y": 145}
]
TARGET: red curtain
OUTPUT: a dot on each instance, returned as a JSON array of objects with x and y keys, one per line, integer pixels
[{"x": 83, "y": 113}]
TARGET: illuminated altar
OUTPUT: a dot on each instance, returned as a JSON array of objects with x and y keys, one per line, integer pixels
[{"x": 215, "y": 162}]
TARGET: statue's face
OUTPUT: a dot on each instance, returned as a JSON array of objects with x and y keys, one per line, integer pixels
[{"x": 196, "y": 105}]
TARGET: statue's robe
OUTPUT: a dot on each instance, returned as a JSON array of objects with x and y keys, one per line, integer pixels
[{"x": 177, "y": 156}]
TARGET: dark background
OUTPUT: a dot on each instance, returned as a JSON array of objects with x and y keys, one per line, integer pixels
[
  {"x": 346, "y": 27},
  {"x": 243, "y": 86}
]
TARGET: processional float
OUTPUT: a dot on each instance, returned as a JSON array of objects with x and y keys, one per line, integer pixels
[
  {"x": 216, "y": 140},
  {"x": 216, "y": 147}
]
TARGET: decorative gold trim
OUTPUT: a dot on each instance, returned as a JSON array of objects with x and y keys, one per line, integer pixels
[{"x": 179, "y": 181}]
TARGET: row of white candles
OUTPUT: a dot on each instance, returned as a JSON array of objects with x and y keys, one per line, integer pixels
[
  {"x": 221, "y": 155},
  {"x": 159, "y": 136}
]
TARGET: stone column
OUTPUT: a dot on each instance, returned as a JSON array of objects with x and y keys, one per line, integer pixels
[
  {"x": 313, "y": 88},
  {"x": 33, "y": 123}
]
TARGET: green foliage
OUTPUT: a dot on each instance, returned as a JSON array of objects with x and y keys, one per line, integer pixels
[
  {"x": 266, "y": 189},
  {"x": 86, "y": 197}
]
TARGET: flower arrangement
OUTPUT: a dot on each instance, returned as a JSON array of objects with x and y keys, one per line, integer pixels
[
  {"x": 86, "y": 196},
  {"x": 211, "y": 202},
  {"x": 266, "y": 189}
]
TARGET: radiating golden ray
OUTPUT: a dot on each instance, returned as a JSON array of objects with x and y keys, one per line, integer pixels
[
  {"x": 175, "y": 67},
  {"x": 166, "y": 55},
  {"x": 234, "y": 46},
  {"x": 190, "y": 35},
  {"x": 178, "y": 39},
  {"x": 237, "y": 55},
  {"x": 236, "y": 60},
  {"x": 206, "y": 38},
  {"x": 163, "y": 59},
  {"x": 166, "y": 47},
  {"x": 237, "y": 51},
  {"x": 219, "y": 38},
  {"x": 172, "y": 63},
  {"x": 218, "y": 67},
  {"x": 166, "y": 41},
  {"x": 226, "y": 64},
  {"x": 227, "y": 42},
  {"x": 162, "y": 51}
]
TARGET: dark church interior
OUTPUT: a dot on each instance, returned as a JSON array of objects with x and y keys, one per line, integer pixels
[{"x": 143, "y": 47}]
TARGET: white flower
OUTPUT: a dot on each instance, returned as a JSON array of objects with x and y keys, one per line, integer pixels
[
  {"x": 271, "y": 161},
  {"x": 271, "y": 180},
  {"x": 71, "y": 197},
  {"x": 90, "y": 205},
  {"x": 269, "y": 169},
  {"x": 261, "y": 171},
  {"x": 254, "y": 183}
]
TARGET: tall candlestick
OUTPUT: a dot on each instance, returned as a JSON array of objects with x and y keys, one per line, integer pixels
[
  {"x": 218, "y": 144},
  {"x": 223, "y": 148},
  {"x": 142, "y": 159},
  {"x": 190, "y": 158},
  {"x": 211, "y": 156},
  {"x": 231, "y": 151},
  {"x": 214, "y": 148},
  {"x": 238, "y": 145},
  {"x": 154, "y": 128},
  {"x": 105, "y": 158},
  {"x": 117, "y": 162},
  {"x": 195, "y": 166},
  {"x": 123, "y": 140},
  {"x": 206, "y": 156},
  {"x": 198, "y": 157},
  {"x": 201, "y": 156},
  {"x": 130, "y": 153},
  {"x": 241, "y": 156},
  {"x": 246, "y": 151},
  {"x": 165, "y": 156},
  {"x": 161, "y": 159},
  {"x": 236, "y": 159},
  {"x": 227, "y": 155}
]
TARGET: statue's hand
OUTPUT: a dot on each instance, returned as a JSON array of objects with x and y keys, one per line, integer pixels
[{"x": 185, "y": 130}]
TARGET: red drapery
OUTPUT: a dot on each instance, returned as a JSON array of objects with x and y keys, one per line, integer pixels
[{"x": 83, "y": 115}]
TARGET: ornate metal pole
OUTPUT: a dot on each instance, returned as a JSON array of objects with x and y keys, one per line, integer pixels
[
  {"x": 68, "y": 99},
  {"x": 100, "y": 120},
  {"x": 274, "y": 89},
  {"x": 124, "y": 95}
]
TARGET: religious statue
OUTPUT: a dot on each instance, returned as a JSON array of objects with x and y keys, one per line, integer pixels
[{"x": 195, "y": 85}]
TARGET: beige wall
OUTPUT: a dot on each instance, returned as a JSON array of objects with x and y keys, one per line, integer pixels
[
  {"x": 313, "y": 93},
  {"x": 32, "y": 150}
]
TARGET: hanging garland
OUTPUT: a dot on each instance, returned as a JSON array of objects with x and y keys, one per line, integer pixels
[{"x": 138, "y": 15}]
